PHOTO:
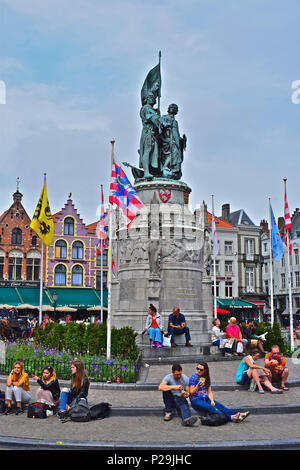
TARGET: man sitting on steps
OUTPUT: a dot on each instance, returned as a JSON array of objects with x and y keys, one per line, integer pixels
[{"x": 177, "y": 326}]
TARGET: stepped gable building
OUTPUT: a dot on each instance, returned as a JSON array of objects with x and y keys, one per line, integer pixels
[
  {"x": 72, "y": 267},
  {"x": 20, "y": 256}
]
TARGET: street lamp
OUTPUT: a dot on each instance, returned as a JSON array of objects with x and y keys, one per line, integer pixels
[{"x": 55, "y": 297}]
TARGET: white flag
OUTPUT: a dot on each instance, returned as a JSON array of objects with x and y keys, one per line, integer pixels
[{"x": 214, "y": 235}]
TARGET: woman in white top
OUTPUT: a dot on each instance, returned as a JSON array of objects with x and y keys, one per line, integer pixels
[{"x": 216, "y": 333}]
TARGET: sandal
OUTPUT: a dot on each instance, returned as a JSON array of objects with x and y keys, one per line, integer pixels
[
  {"x": 285, "y": 389},
  {"x": 261, "y": 391},
  {"x": 276, "y": 392},
  {"x": 243, "y": 416}
]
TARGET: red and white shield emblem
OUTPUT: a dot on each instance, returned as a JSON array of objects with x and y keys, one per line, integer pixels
[{"x": 164, "y": 194}]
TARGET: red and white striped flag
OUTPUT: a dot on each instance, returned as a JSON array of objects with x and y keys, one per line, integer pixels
[
  {"x": 102, "y": 227},
  {"x": 287, "y": 222}
]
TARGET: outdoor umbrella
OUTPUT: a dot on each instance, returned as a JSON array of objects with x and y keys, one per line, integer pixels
[
  {"x": 221, "y": 310},
  {"x": 66, "y": 309},
  {"x": 96, "y": 308},
  {"x": 27, "y": 306}
]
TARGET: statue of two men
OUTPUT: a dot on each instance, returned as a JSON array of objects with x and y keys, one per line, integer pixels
[{"x": 161, "y": 147}]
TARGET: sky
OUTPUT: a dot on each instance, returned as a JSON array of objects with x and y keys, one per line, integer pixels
[{"x": 73, "y": 72}]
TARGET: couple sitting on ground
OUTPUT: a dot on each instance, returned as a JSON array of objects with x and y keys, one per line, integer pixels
[
  {"x": 176, "y": 326},
  {"x": 177, "y": 387}
]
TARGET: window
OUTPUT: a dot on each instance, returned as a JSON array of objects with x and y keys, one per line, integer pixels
[
  {"x": 297, "y": 279},
  {"x": 265, "y": 245},
  {"x": 98, "y": 280},
  {"x": 61, "y": 249},
  {"x": 266, "y": 287},
  {"x": 266, "y": 268},
  {"x": 217, "y": 267},
  {"x": 15, "y": 269},
  {"x": 296, "y": 252},
  {"x": 77, "y": 250},
  {"x": 217, "y": 289},
  {"x": 33, "y": 269},
  {"x": 69, "y": 226},
  {"x": 228, "y": 267},
  {"x": 283, "y": 261},
  {"x": 249, "y": 246},
  {"x": 33, "y": 241},
  {"x": 16, "y": 236},
  {"x": 228, "y": 248},
  {"x": 282, "y": 281},
  {"x": 104, "y": 258},
  {"x": 228, "y": 289},
  {"x": 249, "y": 279},
  {"x": 77, "y": 275},
  {"x": 60, "y": 275},
  {"x": 1, "y": 267}
]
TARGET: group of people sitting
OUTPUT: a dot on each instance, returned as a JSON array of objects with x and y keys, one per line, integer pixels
[
  {"x": 176, "y": 326},
  {"x": 18, "y": 389},
  {"x": 236, "y": 340},
  {"x": 177, "y": 387}
]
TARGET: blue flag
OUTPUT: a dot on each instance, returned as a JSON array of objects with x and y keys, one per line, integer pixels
[{"x": 277, "y": 245}]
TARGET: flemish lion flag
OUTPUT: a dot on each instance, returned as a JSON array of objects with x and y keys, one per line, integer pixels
[{"x": 42, "y": 222}]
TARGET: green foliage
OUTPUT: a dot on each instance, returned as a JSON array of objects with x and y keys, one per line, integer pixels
[
  {"x": 80, "y": 339},
  {"x": 273, "y": 337}
]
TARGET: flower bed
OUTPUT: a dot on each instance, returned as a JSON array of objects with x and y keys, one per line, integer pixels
[{"x": 98, "y": 368}]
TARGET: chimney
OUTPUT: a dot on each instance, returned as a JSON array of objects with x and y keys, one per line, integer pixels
[
  {"x": 264, "y": 225},
  {"x": 225, "y": 212}
]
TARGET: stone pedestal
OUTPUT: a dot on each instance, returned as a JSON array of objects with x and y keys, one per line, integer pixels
[{"x": 160, "y": 260}]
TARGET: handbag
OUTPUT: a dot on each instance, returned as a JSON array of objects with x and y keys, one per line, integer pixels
[
  {"x": 100, "y": 411},
  {"x": 80, "y": 411},
  {"x": 239, "y": 348},
  {"x": 228, "y": 343},
  {"x": 215, "y": 419},
  {"x": 167, "y": 341},
  {"x": 37, "y": 410},
  {"x": 2, "y": 402}
]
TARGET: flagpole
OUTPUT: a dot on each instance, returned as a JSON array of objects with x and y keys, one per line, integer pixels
[
  {"x": 41, "y": 284},
  {"x": 214, "y": 265},
  {"x": 289, "y": 279},
  {"x": 159, "y": 93},
  {"x": 101, "y": 257},
  {"x": 110, "y": 241},
  {"x": 271, "y": 266}
]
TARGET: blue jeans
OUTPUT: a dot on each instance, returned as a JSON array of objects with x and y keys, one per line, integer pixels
[
  {"x": 66, "y": 399},
  {"x": 175, "y": 331},
  {"x": 155, "y": 334},
  {"x": 203, "y": 404},
  {"x": 180, "y": 403}
]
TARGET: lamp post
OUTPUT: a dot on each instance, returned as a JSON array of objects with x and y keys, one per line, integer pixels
[
  {"x": 55, "y": 297},
  {"x": 233, "y": 303}
]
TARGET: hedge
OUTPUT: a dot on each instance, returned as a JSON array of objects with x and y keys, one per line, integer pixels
[{"x": 91, "y": 339}]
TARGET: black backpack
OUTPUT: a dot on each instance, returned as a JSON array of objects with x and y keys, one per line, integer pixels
[
  {"x": 2, "y": 402},
  {"x": 37, "y": 410},
  {"x": 215, "y": 419},
  {"x": 80, "y": 411},
  {"x": 100, "y": 411}
]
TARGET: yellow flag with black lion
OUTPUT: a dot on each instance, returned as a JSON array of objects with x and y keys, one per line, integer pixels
[{"x": 42, "y": 222}]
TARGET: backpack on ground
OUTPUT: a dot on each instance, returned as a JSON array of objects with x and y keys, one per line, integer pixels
[
  {"x": 2, "y": 402},
  {"x": 100, "y": 411},
  {"x": 37, "y": 410},
  {"x": 215, "y": 419},
  {"x": 80, "y": 411}
]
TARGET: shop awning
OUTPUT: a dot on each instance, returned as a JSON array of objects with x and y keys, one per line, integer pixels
[
  {"x": 78, "y": 298},
  {"x": 238, "y": 304},
  {"x": 9, "y": 295}
]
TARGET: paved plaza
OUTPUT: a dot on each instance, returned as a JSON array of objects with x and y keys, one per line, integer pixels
[{"x": 137, "y": 416}]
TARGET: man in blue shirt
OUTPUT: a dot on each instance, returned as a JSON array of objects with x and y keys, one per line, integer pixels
[{"x": 177, "y": 326}]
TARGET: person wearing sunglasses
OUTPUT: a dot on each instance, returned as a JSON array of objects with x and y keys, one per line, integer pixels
[
  {"x": 201, "y": 396},
  {"x": 276, "y": 363}
]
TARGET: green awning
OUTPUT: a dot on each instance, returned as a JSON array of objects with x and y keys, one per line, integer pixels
[
  {"x": 9, "y": 296},
  {"x": 78, "y": 298},
  {"x": 31, "y": 295},
  {"x": 238, "y": 303}
]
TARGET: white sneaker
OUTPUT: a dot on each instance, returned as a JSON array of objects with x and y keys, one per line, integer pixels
[{"x": 168, "y": 416}]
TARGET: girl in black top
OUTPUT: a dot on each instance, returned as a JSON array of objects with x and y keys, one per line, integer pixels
[
  {"x": 79, "y": 388},
  {"x": 49, "y": 390}
]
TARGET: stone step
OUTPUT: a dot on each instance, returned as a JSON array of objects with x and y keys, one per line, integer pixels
[{"x": 167, "y": 354}]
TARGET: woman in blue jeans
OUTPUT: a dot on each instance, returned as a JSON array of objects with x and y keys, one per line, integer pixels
[
  {"x": 201, "y": 396},
  {"x": 79, "y": 388}
]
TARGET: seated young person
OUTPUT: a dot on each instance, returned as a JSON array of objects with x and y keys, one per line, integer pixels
[
  {"x": 79, "y": 388},
  {"x": 49, "y": 390},
  {"x": 17, "y": 388}
]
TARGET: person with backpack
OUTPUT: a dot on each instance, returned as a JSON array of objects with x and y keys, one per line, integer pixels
[
  {"x": 49, "y": 390},
  {"x": 79, "y": 389},
  {"x": 201, "y": 396},
  {"x": 17, "y": 388}
]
